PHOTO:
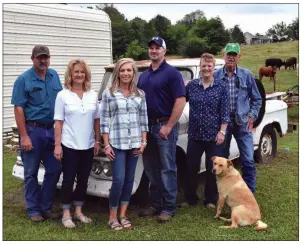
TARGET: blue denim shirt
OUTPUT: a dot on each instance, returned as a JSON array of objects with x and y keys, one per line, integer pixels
[
  {"x": 37, "y": 96},
  {"x": 209, "y": 109},
  {"x": 249, "y": 100}
]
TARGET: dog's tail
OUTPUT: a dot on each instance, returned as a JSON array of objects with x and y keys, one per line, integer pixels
[{"x": 260, "y": 225}]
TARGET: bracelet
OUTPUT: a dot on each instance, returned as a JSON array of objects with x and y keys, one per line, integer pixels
[
  {"x": 98, "y": 142},
  {"x": 107, "y": 146},
  {"x": 144, "y": 143}
]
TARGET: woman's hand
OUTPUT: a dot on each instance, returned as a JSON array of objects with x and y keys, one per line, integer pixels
[
  {"x": 140, "y": 150},
  {"x": 96, "y": 148},
  {"x": 110, "y": 153},
  {"x": 58, "y": 152}
]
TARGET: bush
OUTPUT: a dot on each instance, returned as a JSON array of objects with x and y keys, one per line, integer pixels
[
  {"x": 194, "y": 47},
  {"x": 136, "y": 51}
]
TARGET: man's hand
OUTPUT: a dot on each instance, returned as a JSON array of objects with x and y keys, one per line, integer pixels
[
  {"x": 250, "y": 124},
  {"x": 26, "y": 143},
  {"x": 165, "y": 131}
]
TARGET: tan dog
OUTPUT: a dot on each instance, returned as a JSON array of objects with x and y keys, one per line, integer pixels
[{"x": 232, "y": 187}]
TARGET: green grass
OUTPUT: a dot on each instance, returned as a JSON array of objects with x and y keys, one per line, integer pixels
[
  {"x": 253, "y": 57},
  {"x": 277, "y": 195}
]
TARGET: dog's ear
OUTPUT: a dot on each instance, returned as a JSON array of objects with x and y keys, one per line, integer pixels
[
  {"x": 213, "y": 158},
  {"x": 229, "y": 162}
]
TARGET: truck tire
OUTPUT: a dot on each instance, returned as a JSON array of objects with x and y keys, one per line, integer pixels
[
  {"x": 261, "y": 89},
  {"x": 267, "y": 146}
]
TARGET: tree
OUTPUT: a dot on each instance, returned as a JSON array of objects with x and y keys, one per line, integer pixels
[
  {"x": 190, "y": 19},
  {"x": 212, "y": 31},
  {"x": 236, "y": 35},
  {"x": 294, "y": 29},
  {"x": 161, "y": 24},
  {"x": 135, "y": 51},
  {"x": 278, "y": 31},
  {"x": 194, "y": 47},
  {"x": 176, "y": 35}
]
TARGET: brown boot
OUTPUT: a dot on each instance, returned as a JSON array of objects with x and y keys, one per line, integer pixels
[
  {"x": 148, "y": 212},
  {"x": 163, "y": 217},
  {"x": 37, "y": 218}
]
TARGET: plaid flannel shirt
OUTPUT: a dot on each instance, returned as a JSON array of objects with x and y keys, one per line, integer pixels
[
  {"x": 124, "y": 118},
  {"x": 233, "y": 91}
]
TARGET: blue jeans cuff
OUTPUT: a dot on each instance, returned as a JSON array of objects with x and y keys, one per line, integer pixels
[
  {"x": 167, "y": 212},
  {"x": 33, "y": 214},
  {"x": 113, "y": 208},
  {"x": 65, "y": 206},
  {"x": 78, "y": 203},
  {"x": 124, "y": 203}
]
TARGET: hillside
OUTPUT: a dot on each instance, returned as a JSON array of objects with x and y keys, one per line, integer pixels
[{"x": 253, "y": 57}]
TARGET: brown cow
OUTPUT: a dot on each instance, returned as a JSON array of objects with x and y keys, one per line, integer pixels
[{"x": 268, "y": 72}]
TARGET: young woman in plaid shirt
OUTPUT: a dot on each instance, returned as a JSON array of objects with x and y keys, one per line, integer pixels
[{"x": 124, "y": 126}]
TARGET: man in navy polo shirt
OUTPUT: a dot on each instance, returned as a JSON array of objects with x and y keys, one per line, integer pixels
[
  {"x": 34, "y": 97},
  {"x": 165, "y": 96}
]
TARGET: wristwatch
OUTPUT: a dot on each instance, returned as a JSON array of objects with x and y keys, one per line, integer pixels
[{"x": 223, "y": 132}]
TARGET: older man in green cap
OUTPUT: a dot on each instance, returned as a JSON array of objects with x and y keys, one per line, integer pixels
[{"x": 245, "y": 103}]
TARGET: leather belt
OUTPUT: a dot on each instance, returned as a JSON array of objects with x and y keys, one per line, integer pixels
[
  {"x": 158, "y": 120},
  {"x": 46, "y": 126}
]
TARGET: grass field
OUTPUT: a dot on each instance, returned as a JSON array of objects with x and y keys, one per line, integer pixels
[{"x": 277, "y": 191}]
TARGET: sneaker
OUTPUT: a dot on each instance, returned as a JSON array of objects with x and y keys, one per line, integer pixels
[
  {"x": 36, "y": 218},
  {"x": 163, "y": 217},
  {"x": 51, "y": 215},
  {"x": 148, "y": 212}
]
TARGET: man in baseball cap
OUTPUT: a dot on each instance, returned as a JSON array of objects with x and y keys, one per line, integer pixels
[
  {"x": 33, "y": 97},
  {"x": 158, "y": 41},
  {"x": 40, "y": 50}
]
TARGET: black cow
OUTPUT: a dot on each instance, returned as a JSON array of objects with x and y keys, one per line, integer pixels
[
  {"x": 274, "y": 62},
  {"x": 291, "y": 62}
]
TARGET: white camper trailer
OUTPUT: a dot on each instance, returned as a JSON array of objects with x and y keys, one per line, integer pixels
[{"x": 69, "y": 31}]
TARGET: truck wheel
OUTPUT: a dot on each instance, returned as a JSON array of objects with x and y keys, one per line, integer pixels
[
  {"x": 267, "y": 147},
  {"x": 262, "y": 109}
]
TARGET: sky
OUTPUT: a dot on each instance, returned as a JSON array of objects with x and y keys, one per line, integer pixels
[{"x": 253, "y": 18}]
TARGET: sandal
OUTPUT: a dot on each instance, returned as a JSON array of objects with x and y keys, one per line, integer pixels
[
  {"x": 115, "y": 225},
  {"x": 82, "y": 218},
  {"x": 126, "y": 223},
  {"x": 67, "y": 222}
]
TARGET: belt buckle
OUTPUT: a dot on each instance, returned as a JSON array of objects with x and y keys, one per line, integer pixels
[{"x": 157, "y": 121}]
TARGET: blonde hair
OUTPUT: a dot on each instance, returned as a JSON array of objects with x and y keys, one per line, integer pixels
[
  {"x": 69, "y": 70},
  {"x": 115, "y": 76},
  {"x": 207, "y": 57}
]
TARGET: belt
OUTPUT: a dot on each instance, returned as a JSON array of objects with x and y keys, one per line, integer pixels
[
  {"x": 46, "y": 126},
  {"x": 158, "y": 120}
]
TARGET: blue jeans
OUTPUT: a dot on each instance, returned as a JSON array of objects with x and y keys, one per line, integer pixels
[
  {"x": 160, "y": 168},
  {"x": 195, "y": 150},
  {"x": 244, "y": 141},
  {"x": 40, "y": 200},
  {"x": 76, "y": 164},
  {"x": 123, "y": 168}
]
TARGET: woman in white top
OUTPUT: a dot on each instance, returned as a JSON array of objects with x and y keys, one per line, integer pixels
[
  {"x": 124, "y": 126},
  {"x": 77, "y": 137}
]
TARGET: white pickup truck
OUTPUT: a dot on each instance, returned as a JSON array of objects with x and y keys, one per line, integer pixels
[{"x": 272, "y": 118}]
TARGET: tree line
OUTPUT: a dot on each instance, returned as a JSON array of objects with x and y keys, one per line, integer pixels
[{"x": 191, "y": 36}]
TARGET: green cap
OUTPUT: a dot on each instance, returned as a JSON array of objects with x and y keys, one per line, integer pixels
[{"x": 232, "y": 48}]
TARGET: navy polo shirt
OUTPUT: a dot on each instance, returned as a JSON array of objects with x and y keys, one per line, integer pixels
[
  {"x": 162, "y": 87},
  {"x": 37, "y": 96},
  {"x": 209, "y": 108}
]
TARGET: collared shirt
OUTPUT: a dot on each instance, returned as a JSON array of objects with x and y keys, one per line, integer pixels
[
  {"x": 233, "y": 89},
  {"x": 124, "y": 118},
  {"x": 162, "y": 87},
  {"x": 37, "y": 96},
  {"x": 78, "y": 116},
  {"x": 209, "y": 108}
]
